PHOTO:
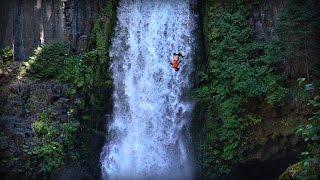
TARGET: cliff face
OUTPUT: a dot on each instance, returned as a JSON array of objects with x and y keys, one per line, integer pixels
[
  {"x": 24, "y": 25},
  {"x": 272, "y": 145},
  {"x": 28, "y": 24},
  {"x": 22, "y": 104},
  {"x": 263, "y": 19}
]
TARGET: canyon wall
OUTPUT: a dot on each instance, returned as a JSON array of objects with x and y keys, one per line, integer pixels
[
  {"x": 28, "y": 24},
  {"x": 263, "y": 19}
]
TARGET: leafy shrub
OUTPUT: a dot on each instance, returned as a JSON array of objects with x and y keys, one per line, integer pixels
[
  {"x": 57, "y": 143},
  {"x": 47, "y": 61},
  {"x": 84, "y": 71}
]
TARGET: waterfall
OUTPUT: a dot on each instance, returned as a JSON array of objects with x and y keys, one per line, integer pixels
[{"x": 148, "y": 135}]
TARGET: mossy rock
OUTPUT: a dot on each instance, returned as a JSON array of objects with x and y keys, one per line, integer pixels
[
  {"x": 302, "y": 170},
  {"x": 292, "y": 171}
]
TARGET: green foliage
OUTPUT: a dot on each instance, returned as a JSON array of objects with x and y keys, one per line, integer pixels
[
  {"x": 88, "y": 75},
  {"x": 103, "y": 29},
  {"x": 47, "y": 61},
  {"x": 84, "y": 72},
  {"x": 6, "y": 56},
  {"x": 57, "y": 146},
  {"x": 239, "y": 71},
  {"x": 310, "y": 133},
  {"x": 89, "y": 82}
]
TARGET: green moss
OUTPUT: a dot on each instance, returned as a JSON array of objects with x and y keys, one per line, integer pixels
[{"x": 103, "y": 29}]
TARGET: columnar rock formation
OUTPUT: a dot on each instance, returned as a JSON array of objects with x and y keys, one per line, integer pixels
[{"x": 28, "y": 24}]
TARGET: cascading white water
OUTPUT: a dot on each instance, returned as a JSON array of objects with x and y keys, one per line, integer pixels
[{"x": 149, "y": 136}]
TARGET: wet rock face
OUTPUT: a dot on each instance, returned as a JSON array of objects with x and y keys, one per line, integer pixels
[
  {"x": 27, "y": 24},
  {"x": 263, "y": 19}
]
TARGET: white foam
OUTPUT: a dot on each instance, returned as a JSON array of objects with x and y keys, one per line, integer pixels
[{"x": 150, "y": 117}]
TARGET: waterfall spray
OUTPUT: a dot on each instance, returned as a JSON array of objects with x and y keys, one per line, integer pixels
[{"x": 148, "y": 136}]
